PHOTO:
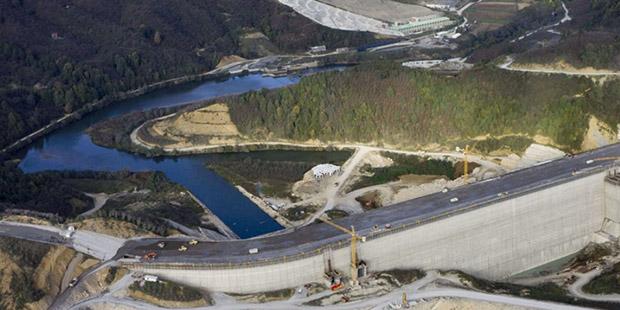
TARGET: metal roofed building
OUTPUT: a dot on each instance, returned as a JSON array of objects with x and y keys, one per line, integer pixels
[
  {"x": 324, "y": 170},
  {"x": 421, "y": 24}
]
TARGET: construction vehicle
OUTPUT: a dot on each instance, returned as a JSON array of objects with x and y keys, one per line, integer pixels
[
  {"x": 193, "y": 242},
  {"x": 405, "y": 302},
  {"x": 182, "y": 248},
  {"x": 354, "y": 238},
  {"x": 73, "y": 282},
  {"x": 68, "y": 233},
  {"x": 149, "y": 256},
  {"x": 334, "y": 280},
  {"x": 336, "y": 286}
]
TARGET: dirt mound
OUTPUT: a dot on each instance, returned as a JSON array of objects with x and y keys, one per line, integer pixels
[
  {"x": 213, "y": 120},
  {"x": 227, "y": 60},
  {"x": 212, "y": 125},
  {"x": 599, "y": 134}
]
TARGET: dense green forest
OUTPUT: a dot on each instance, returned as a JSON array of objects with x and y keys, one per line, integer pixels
[
  {"x": 56, "y": 56},
  {"x": 148, "y": 198},
  {"x": 389, "y": 104},
  {"x": 41, "y": 192},
  {"x": 59, "y": 195}
]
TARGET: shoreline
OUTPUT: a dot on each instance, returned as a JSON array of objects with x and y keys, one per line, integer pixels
[
  {"x": 225, "y": 72},
  {"x": 260, "y": 203},
  {"x": 214, "y": 219},
  {"x": 108, "y": 100}
]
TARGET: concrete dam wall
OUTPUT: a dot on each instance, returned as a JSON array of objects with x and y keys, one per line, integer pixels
[{"x": 493, "y": 241}]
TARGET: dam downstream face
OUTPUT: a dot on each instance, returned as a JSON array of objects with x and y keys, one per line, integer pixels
[{"x": 70, "y": 148}]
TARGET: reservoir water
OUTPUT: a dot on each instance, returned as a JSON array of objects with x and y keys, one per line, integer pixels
[{"x": 70, "y": 148}]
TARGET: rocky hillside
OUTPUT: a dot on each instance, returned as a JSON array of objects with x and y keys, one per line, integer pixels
[{"x": 31, "y": 273}]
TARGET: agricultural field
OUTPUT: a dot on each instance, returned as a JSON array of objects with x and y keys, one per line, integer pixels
[{"x": 490, "y": 15}]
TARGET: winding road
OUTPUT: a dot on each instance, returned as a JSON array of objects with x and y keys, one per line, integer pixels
[{"x": 416, "y": 291}]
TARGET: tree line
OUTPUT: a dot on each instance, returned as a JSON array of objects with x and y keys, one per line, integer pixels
[{"x": 389, "y": 104}]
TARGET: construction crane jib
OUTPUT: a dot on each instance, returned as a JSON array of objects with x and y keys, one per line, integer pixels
[{"x": 354, "y": 238}]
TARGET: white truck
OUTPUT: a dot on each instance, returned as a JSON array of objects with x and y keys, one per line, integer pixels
[{"x": 67, "y": 233}]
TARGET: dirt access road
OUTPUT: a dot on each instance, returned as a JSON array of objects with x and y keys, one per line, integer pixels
[{"x": 334, "y": 193}]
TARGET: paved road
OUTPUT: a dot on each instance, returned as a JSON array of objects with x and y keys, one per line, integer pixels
[
  {"x": 416, "y": 291},
  {"x": 313, "y": 237},
  {"x": 576, "y": 289},
  {"x": 68, "y": 276},
  {"x": 33, "y": 233},
  {"x": 333, "y": 190},
  {"x": 564, "y": 19},
  {"x": 94, "y": 244}
]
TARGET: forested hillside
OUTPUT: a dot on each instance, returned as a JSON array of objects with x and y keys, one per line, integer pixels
[
  {"x": 390, "y": 104},
  {"x": 55, "y": 56},
  {"x": 41, "y": 192},
  {"x": 591, "y": 39}
]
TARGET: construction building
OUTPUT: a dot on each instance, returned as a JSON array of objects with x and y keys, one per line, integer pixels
[{"x": 421, "y": 24}]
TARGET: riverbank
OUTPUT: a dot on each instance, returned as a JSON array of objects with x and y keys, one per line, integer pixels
[
  {"x": 101, "y": 103},
  {"x": 269, "y": 66},
  {"x": 263, "y": 205},
  {"x": 213, "y": 219}
]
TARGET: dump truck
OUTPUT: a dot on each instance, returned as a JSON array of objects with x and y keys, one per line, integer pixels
[{"x": 149, "y": 256}]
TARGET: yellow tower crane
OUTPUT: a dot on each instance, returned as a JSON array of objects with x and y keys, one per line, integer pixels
[{"x": 354, "y": 238}]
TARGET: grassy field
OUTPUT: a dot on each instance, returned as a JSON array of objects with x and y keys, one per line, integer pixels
[
  {"x": 169, "y": 291},
  {"x": 300, "y": 213},
  {"x": 271, "y": 173}
]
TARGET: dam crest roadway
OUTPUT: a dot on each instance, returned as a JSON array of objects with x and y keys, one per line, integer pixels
[{"x": 494, "y": 228}]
